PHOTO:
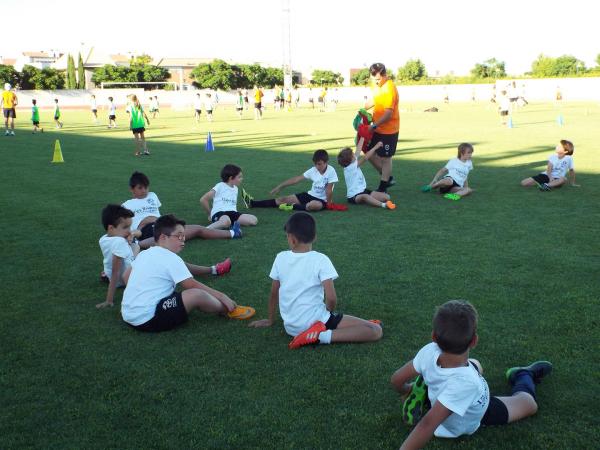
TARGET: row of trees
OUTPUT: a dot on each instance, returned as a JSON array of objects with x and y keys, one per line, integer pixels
[{"x": 139, "y": 70}]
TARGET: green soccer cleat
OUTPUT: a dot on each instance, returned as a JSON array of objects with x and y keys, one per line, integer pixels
[
  {"x": 454, "y": 197},
  {"x": 538, "y": 370},
  {"x": 286, "y": 207},
  {"x": 247, "y": 199},
  {"x": 417, "y": 403},
  {"x": 426, "y": 188}
]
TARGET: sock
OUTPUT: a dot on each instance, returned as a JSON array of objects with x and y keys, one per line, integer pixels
[
  {"x": 524, "y": 383},
  {"x": 325, "y": 337},
  {"x": 382, "y": 186},
  {"x": 299, "y": 207},
  {"x": 213, "y": 269},
  {"x": 232, "y": 233},
  {"x": 383, "y": 205},
  {"x": 263, "y": 203}
]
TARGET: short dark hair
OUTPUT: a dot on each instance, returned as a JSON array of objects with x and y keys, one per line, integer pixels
[
  {"x": 567, "y": 146},
  {"x": 110, "y": 98},
  {"x": 229, "y": 171},
  {"x": 34, "y": 101},
  {"x": 320, "y": 155},
  {"x": 113, "y": 214},
  {"x": 345, "y": 157},
  {"x": 377, "y": 68},
  {"x": 464, "y": 147},
  {"x": 138, "y": 178},
  {"x": 166, "y": 225},
  {"x": 302, "y": 226},
  {"x": 454, "y": 326}
]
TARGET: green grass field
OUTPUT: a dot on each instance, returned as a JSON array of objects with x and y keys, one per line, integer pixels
[{"x": 75, "y": 377}]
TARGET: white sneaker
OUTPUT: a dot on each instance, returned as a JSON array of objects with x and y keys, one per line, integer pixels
[
  {"x": 12, "y": 133},
  {"x": 7, "y": 133}
]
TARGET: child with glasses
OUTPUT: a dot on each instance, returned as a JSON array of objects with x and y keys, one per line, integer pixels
[{"x": 150, "y": 301}]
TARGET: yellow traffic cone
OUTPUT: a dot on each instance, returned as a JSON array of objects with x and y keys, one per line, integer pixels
[{"x": 58, "y": 157}]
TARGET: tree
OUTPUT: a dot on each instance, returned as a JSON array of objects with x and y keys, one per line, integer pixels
[
  {"x": 326, "y": 77},
  {"x": 214, "y": 75},
  {"x": 80, "y": 73},
  {"x": 28, "y": 77},
  {"x": 413, "y": 70},
  {"x": 8, "y": 74},
  {"x": 272, "y": 76},
  {"x": 50, "y": 79},
  {"x": 546, "y": 66},
  {"x": 71, "y": 79},
  {"x": 360, "y": 78},
  {"x": 491, "y": 68}
]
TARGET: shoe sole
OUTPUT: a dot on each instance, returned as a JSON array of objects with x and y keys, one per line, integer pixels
[
  {"x": 241, "y": 313},
  {"x": 417, "y": 404},
  {"x": 545, "y": 367}
]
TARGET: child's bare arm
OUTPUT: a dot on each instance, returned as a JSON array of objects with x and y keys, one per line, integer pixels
[
  {"x": 439, "y": 174},
  {"x": 205, "y": 199},
  {"x": 191, "y": 283},
  {"x": 146, "y": 116},
  {"x": 572, "y": 178},
  {"x": 370, "y": 153},
  {"x": 330, "y": 295},
  {"x": 273, "y": 302},
  {"x": 288, "y": 182},
  {"x": 329, "y": 193},
  {"x": 401, "y": 379},
  {"x": 424, "y": 430},
  {"x": 114, "y": 281}
]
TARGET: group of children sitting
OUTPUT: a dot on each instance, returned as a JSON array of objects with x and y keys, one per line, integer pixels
[{"x": 303, "y": 289}]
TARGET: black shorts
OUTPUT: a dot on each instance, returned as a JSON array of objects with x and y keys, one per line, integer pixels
[
  {"x": 305, "y": 197},
  {"x": 541, "y": 178},
  {"x": 320, "y": 99},
  {"x": 233, "y": 216},
  {"x": 10, "y": 112},
  {"x": 94, "y": 111},
  {"x": 334, "y": 320},
  {"x": 496, "y": 412},
  {"x": 209, "y": 112},
  {"x": 138, "y": 130},
  {"x": 513, "y": 99},
  {"x": 389, "y": 144},
  {"x": 258, "y": 105},
  {"x": 353, "y": 198},
  {"x": 36, "y": 122},
  {"x": 56, "y": 117},
  {"x": 198, "y": 111},
  {"x": 504, "y": 113},
  {"x": 147, "y": 231},
  {"x": 445, "y": 190},
  {"x": 170, "y": 313},
  {"x": 245, "y": 99},
  {"x": 112, "y": 117},
  {"x": 239, "y": 108}
]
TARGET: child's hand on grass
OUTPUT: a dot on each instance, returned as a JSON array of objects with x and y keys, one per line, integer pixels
[
  {"x": 104, "y": 304},
  {"x": 275, "y": 190},
  {"x": 264, "y": 323}
]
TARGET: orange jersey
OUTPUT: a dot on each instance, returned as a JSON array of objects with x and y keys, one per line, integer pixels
[{"x": 386, "y": 97}]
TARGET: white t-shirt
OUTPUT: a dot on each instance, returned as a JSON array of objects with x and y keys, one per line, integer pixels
[
  {"x": 225, "y": 198},
  {"x": 560, "y": 166},
  {"x": 118, "y": 246},
  {"x": 355, "y": 180},
  {"x": 504, "y": 103},
  {"x": 459, "y": 170},
  {"x": 462, "y": 390},
  {"x": 112, "y": 109},
  {"x": 142, "y": 208},
  {"x": 208, "y": 105},
  {"x": 320, "y": 181},
  {"x": 198, "y": 104},
  {"x": 301, "y": 294},
  {"x": 155, "y": 274},
  {"x": 93, "y": 104}
]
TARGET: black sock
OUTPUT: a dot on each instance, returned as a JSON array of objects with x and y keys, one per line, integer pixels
[
  {"x": 523, "y": 383},
  {"x": 271, "y": 203},
  {"x": 383, "y": 185},
  {"x": 299, "y": 207}
]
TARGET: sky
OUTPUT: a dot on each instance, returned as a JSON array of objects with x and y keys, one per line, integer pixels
[{"x": 448, "y": 36}]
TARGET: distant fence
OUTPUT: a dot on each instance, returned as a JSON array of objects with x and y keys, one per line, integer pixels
[{"x": 572, "y": 89}]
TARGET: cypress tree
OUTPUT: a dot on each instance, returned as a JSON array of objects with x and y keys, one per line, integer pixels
[
  {"x": 80, "y": 74},
  {"x": 71, "y": 80}
]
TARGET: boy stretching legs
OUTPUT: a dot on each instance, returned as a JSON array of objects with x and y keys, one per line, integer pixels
[{"x": 459, "y": 395}]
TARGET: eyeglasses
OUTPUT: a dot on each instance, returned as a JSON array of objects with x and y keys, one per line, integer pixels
[{"x": 180, "y": 236}]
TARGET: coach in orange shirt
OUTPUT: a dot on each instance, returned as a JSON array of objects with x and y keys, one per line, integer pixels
[{"x": 386, "y": 123}]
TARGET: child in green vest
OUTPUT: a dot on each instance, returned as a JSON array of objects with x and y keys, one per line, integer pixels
[
  {"x": 137, "y": 126},
  {"x": 59, "y": 124},
  {"x": 35, "y": 117}
]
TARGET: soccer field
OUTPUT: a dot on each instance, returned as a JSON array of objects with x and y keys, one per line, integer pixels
[{"x": 76, "y": 377}]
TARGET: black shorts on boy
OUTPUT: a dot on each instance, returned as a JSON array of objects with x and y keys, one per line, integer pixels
[
  {"x": 446, "y": 189},
  {"x": 334, "y": 320},
  {"x": 170, "y": 313},
  {"x": 147, "y": 231},
  {"x": 305, "y": 198},
  {"x": 138, "y": 130},
  {"x": 233, "y": 216},
  {"x": 389, "y": 141},
  {"x": 353, "y": 198},
  {"x": 541, "y": 178}
]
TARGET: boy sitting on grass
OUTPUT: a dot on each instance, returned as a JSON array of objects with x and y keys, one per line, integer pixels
[
  {"x": 145, "y": 204},
  {"x": 150, "y": 301},
  {"x": 119, "y": 249},
  {"x": 302, "y": 279},
  {"x": 459, "y": 395},
  {"x": 322, "y": 175},
  {"x": 356, "y": 186}
]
